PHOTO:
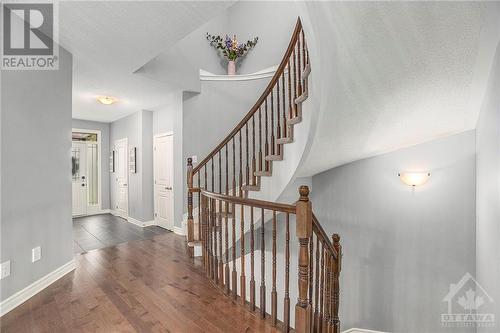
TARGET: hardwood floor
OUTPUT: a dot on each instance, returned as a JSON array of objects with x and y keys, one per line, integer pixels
[
  {"x": 99, "y": 231},
  {"x": 147, "y": 285}
]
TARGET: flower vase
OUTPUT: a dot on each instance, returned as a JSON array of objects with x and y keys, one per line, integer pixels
[{"x": 231, "y": 67}]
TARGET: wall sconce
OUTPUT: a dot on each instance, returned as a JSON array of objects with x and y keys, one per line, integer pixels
[{"x": 414, "y": 178}]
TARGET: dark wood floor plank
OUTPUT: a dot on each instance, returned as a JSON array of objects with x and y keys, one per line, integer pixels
[{"x": 145, "y": 285}]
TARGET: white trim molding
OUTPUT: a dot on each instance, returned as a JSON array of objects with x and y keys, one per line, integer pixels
[
  {"x": 102, "y": 211},
  {"x": 136, "y": 222},
  {"x": 265, "y": 73},
  {"x": 179, "y": 231},
  {"x": 140, "y": 223},
  {"x": 25, "y": 294},
  {"x": 361, "y": 330}
]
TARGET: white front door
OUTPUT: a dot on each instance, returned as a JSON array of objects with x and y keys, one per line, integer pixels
[
  {"x": 163, "y": 179},
  {"x": 121, "y": 173},
  {"x": 79, "y": 177}
]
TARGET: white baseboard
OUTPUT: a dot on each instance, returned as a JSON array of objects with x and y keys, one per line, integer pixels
[
  {"x": 361, "y": 330},
  {"x": 102, "y": 211},
  {"x": 179, "y": 231},
  {"x": 132, "y": 220},
  {"x": 23, "y": 295},
  {"x": 140, "y": 223}
]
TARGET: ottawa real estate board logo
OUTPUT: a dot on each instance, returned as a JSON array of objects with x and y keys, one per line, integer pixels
[
  {"x": 30, "y": 36},
  {"x": 466, "y": 301}
]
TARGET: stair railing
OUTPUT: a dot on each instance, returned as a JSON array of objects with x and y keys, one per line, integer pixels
[
  {"x": 319, "y": 260},
  {"x": 235, "y": 165}
]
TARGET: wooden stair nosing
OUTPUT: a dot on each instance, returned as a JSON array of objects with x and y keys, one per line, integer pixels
[
  {"x": 285, "y": 140},
  {"x": 274, "y": 157},
  {"x": 294, "y": 120},
  {"x": 306, "y": 71},
  {"x": 302, "y": 97},
  {"x": 251, "y": 187},
  {"x": 263, "y": 173}
]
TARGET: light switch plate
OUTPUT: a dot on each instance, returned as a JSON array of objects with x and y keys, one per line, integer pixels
[
  {"x": 5, "y": 269},
  {"x": 36, "y": 254},
  {"x": 195, "y": 158}
]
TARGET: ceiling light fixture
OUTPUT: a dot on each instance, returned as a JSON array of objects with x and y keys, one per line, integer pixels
[
  {"x": 414, "y": 178},
  {"x": 107, "y": 100}
]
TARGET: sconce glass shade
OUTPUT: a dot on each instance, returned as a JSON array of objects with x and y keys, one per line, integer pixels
[{"x": 414, "y": 178}]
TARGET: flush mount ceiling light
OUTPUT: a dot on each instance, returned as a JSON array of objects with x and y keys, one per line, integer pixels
[
  {"x": 107, "y": 100},
  {"x": 414, "y": 178}
]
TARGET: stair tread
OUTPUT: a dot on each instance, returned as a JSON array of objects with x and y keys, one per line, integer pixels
[
  {"x": 195, "y": 243},
  {"x": 306, "y": 71},
  {"x": 294, "y": 120},
  {"x": 251, "y": 187},
  {"x": 263, "y": 173},
  {"x": 285, "y": 140},
  {"x": 302, "y": 97},
  {"x": 275, "y": 157}
]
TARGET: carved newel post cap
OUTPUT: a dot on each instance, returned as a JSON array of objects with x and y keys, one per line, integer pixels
[
  {"x": 336, "y": 238},
  {"x": 190, "y": 161},
  {"x": 304, "y": 193}
]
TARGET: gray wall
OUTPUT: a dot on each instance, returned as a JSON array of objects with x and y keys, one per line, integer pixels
[
  {"x": 488, "y": 194},
  {"x": 35, "y": 172},
  {"x": 104, "y": 128},
  {"x": 137, "y": 128},
  {"x": 168, "y": 118},
  {"x": 402, "y": 248},
  {"x": 208, "y": 117}
]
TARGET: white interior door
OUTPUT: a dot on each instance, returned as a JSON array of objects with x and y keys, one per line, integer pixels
[
  {"x": 163, "y": 174},
  {"x": 79, "y": 178},
  {"x": 121, "y": 174}
]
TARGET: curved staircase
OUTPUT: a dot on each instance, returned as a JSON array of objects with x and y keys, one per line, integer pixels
[{"x": 221, "y": 188}]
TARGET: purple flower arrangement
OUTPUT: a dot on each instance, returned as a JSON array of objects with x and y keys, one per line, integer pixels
[{"x": 230, "y": 48}]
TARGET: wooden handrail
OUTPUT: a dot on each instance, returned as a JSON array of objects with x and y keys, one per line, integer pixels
[
  {"x": 279, "y": 207},
  {"x": 262, "y": 98},
  {"x": 320, "y": 232}
]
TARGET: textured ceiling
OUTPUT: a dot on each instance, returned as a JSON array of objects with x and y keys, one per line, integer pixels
[
  {"x": 391, "y": 75},
  {"x": 109, "y": 40}
]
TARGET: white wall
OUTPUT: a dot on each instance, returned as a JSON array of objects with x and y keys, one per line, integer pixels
[
  {"x": 35, "y": 172},
  {"x": 402, "y": 248},
  {"x": 104, "y": 128},
  {"x": 488, "y": 194},
  {"x": 272, "y": 21}
]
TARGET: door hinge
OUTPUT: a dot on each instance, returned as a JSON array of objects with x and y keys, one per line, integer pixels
[{"x": 156, "y": 214}]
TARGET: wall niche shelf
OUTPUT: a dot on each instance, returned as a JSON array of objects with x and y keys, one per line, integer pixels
[{"x": 262, "y": 74}]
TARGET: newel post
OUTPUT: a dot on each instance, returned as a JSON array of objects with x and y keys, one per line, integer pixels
[
  {"x": 304, "y": 233},
  {"x": 190, "y": 222}
]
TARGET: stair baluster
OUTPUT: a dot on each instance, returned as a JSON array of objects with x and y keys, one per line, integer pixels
[
  {"x": 274, "y": 294},
  {"x": 262, "y": 266}
]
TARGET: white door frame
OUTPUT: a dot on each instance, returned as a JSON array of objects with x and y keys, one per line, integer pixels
[
  {"x": 128, "y": 180},
  {"x": 99, "y": 176},
  {"x": 170, "y": 133}
]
